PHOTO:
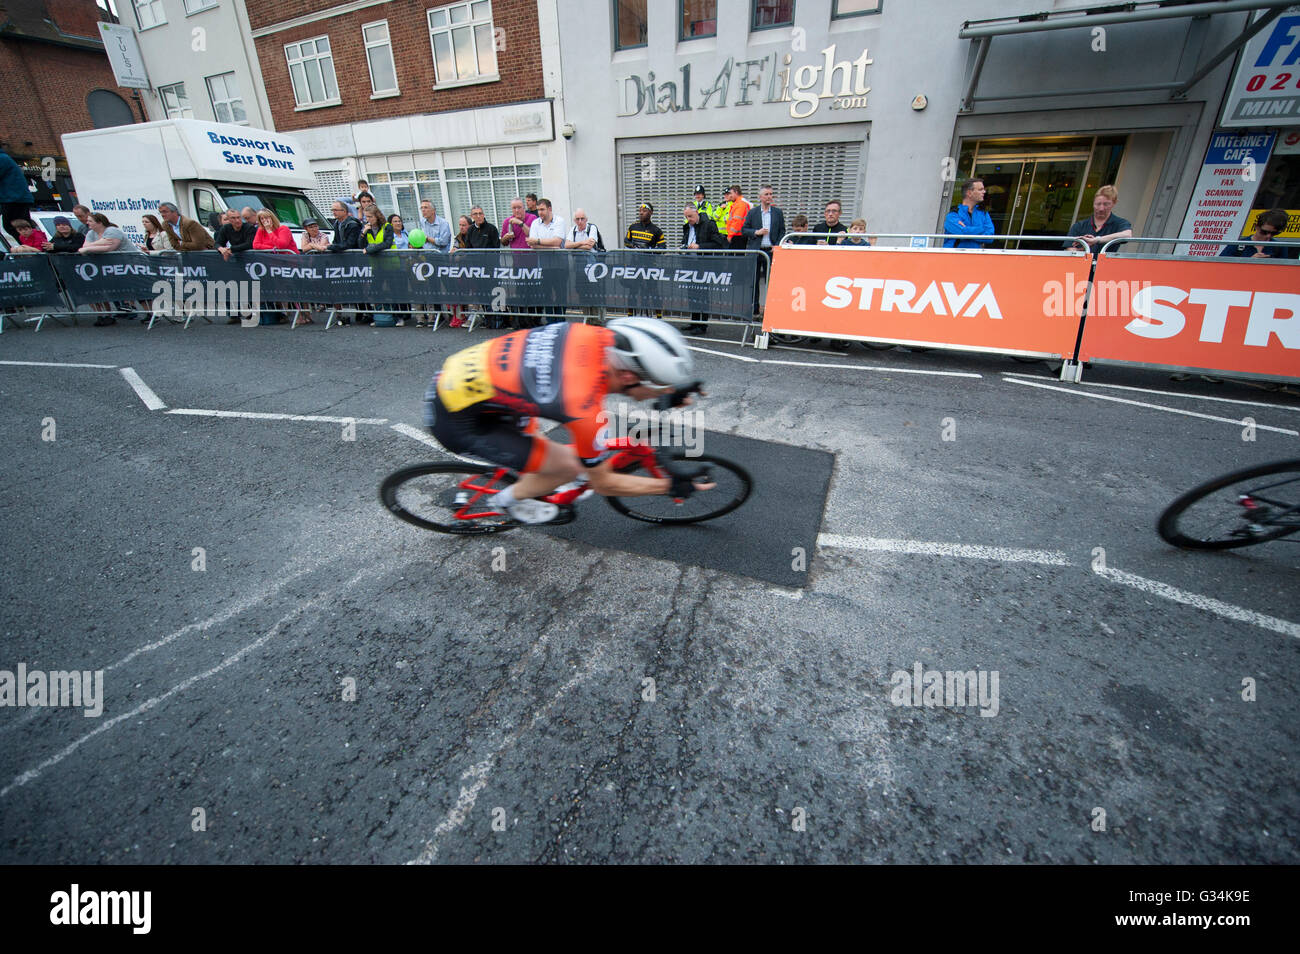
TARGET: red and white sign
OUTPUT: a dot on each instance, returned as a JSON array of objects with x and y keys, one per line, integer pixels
[
  {"x": 1225, "y": 315},
  {"x": 1265, "y": 91},
  {"x": 1234, "y": 164}
]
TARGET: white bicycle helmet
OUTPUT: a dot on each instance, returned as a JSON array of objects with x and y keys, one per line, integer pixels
[{"x": 653, "y": 349}]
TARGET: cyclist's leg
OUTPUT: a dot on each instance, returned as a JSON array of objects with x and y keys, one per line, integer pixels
[{"x": 551, "y": 465}]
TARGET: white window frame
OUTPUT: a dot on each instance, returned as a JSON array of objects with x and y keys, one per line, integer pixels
[
  {"x": 440, "y": 82},
  {"x": 375, "y": 44},
  {"x": 290, "y": 62},
  {"x": 156, "y": 13},
  {"x": 198, "y": 6},
  {"x": 182, "y": 112},
  {"x": 207, "y": 81}
]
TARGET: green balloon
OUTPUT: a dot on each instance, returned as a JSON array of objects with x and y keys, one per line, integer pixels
[{"x": 417, "y": 238}]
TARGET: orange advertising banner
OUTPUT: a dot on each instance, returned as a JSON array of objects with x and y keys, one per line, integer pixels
[
  {"x": 1013, "y": 302},
  {"x": 1212, "y": 315}
]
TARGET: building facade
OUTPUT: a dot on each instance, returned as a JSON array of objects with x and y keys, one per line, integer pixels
[
  {"x": 57, "y": 80},
  {"x": 200, "y": 59},
  {"x": 888, "y": 105},
  {"x": 450, "y": 101}
]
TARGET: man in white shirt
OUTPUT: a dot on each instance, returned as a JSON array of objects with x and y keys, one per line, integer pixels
[
  {"x": 546, "y": 232},
  {"x": 583, "y": 236}
]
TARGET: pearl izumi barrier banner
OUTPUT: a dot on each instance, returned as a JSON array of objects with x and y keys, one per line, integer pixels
[
  {"x": 1215, "y": 315},
  {"x": 720, "y": 284},
  {"x": 1010, "y": 302},
  {"x": 27, "y": 281}
]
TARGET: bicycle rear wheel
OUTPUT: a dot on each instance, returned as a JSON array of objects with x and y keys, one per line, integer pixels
[
  {"x": 733, "y": 487},
  {"x": 1238, "y": 509},
  {"x": 429, "y": 495}
]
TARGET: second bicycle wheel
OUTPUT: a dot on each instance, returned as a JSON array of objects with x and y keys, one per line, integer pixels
[
  {"x": 1236, "y": 510},
  {"x": 732, "y": 490},
  {"x": 429, "y": 495}
]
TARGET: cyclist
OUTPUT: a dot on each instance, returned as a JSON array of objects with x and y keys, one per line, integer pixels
[{"x": 486, "y": 400}]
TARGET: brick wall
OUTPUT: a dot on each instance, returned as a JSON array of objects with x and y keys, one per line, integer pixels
[
  {"x": 519, "y": 64},
  {"x": 44, "y": 94},
  {"x": 78, "y": 17}
]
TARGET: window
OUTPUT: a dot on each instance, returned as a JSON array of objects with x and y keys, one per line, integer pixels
[
  {"x": 629, "y": 24},
  {"x": 311, "y": 67},
  {"x": 489, "y": 186},
  {"x": 206, "y": 209},
  {"x": 379, "y": 55},
  {"x": 176, "y": 104},
  {"x": 463, "y": 43},
  {"x": 699, "y": 18},
  {"x": 194, "y": 6},
  {"x": 149, "y": 13},
  {"x": 290, "y": 208},
  {"x": 227, "y": 104},
  {"x": 854, "y": 8},
  {"x": 773, "y": 13}
]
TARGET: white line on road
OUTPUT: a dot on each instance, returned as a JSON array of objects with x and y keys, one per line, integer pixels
[
  {"x": 1181, "y": 394},
  {"x": 266, "y": 416},
  {"x": 1209, "y": 604},
  {"x": 152, "y": 401},
  {"x": 871, "y": 367},
  {"x": 1155, "y": 407},
  {"x": 969, "y": 551},
  {"x": 424, "y": 438},
  {"x": 34, "y": 773},
  {"x": 482, "y": 769},
  {"x": 57, "y": 364},
  {"x": 725, "y": 354}
]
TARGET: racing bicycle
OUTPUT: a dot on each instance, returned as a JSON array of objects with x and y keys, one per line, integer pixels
[
  {"x": 1239, "y": 509},
  {"x": 450, "y": 497}
]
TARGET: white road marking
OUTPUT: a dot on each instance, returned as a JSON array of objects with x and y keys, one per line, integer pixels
[
  {"x": 872, "y": 367},
  {"x": 57, "y": 364},
  {"x": 725, "y": 354},
  {"x": 480, "y": 771},
  {"x": 967, "y": 551},
  {"x": 34, "y": 773},
  {"x": 423, "y": 438},
  {"x": 1155, "y": 407},
  {"x": 266, "y": 416},
  {"x": 152, "y": 401},
  {"x": 1194, "y": 397},
  {"x": 1209, "y": 604},
  {"x": 788, "y": 594}
]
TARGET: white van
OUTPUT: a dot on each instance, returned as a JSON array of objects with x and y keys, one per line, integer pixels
[{"x": 205, "y": 168}]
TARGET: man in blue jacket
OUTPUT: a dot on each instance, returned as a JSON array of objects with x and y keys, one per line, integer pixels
[{"x": 969, "y": 221}]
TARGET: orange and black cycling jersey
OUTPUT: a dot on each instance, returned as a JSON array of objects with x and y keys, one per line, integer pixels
[{"x": 556, "y": 371}]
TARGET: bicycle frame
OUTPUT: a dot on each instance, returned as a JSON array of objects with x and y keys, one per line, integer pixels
[{"x": 628, "y": 453}]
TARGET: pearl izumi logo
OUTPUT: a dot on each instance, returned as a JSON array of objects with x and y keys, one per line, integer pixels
[
  {"x": 77, "y": 907},
  {"x": 87, "y": 271},
  {"x": 37, "y": 688},
  {"x": 596, "y": 271}
]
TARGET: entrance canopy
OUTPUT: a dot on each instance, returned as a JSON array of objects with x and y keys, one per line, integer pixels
[{"x": 982, "y": 32}]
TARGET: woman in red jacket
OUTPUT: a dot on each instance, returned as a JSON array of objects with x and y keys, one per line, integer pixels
[{"x": 273, "y": 237}]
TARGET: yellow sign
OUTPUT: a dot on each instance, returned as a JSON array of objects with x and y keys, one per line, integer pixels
[{"x": 1292, "y": 232}]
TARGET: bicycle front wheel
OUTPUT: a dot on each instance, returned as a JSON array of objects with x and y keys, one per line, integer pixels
[
  {"x": 733, "y": 487},
  {"x": 1238, "y": 509},
  {"x": 430, "y": 495}
]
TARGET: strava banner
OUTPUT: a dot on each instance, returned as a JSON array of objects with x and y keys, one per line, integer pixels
[
  {"x": 1208, "y": 315},
  {"x": 26, "y": 281},
  {"x": 497, "y": 280},
  {"x": 1009, "y": 302}
]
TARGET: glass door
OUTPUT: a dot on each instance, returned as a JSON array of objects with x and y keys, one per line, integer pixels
[
  {"x": 1049, "y": 197},
  {"x": 1002, "y": 193}
]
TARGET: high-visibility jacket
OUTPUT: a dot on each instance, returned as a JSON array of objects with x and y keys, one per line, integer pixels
[
  {"x": 720, "y": 213},
  {"x": 705, "y": 208},
  {"x": 736, "y": 217}
]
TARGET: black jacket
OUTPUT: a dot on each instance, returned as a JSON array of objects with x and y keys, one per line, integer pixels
[
  {"x": 754, "y": 222},
  {"x": 239, "y": 238},
  {"x": 347, "y": 235},
  {"x": 706, "y": 234},
  {"x": 485, "y": 236},
  {"x": 69, "y": 244}
]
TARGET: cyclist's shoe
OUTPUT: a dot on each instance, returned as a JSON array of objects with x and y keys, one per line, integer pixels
[{"x": 533, "y": 511}]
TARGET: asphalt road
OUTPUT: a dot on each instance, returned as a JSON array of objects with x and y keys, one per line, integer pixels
[{"x": 518, "y": 696}]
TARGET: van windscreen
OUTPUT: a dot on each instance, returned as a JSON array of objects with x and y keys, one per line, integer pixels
[{"x": 290, "y": 208}]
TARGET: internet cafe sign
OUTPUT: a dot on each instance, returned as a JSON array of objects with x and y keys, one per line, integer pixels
[{"x": 772, "y": 77}]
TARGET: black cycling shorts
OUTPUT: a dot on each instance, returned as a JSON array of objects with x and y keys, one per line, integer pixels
[{"x": 494, "y": 435}]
